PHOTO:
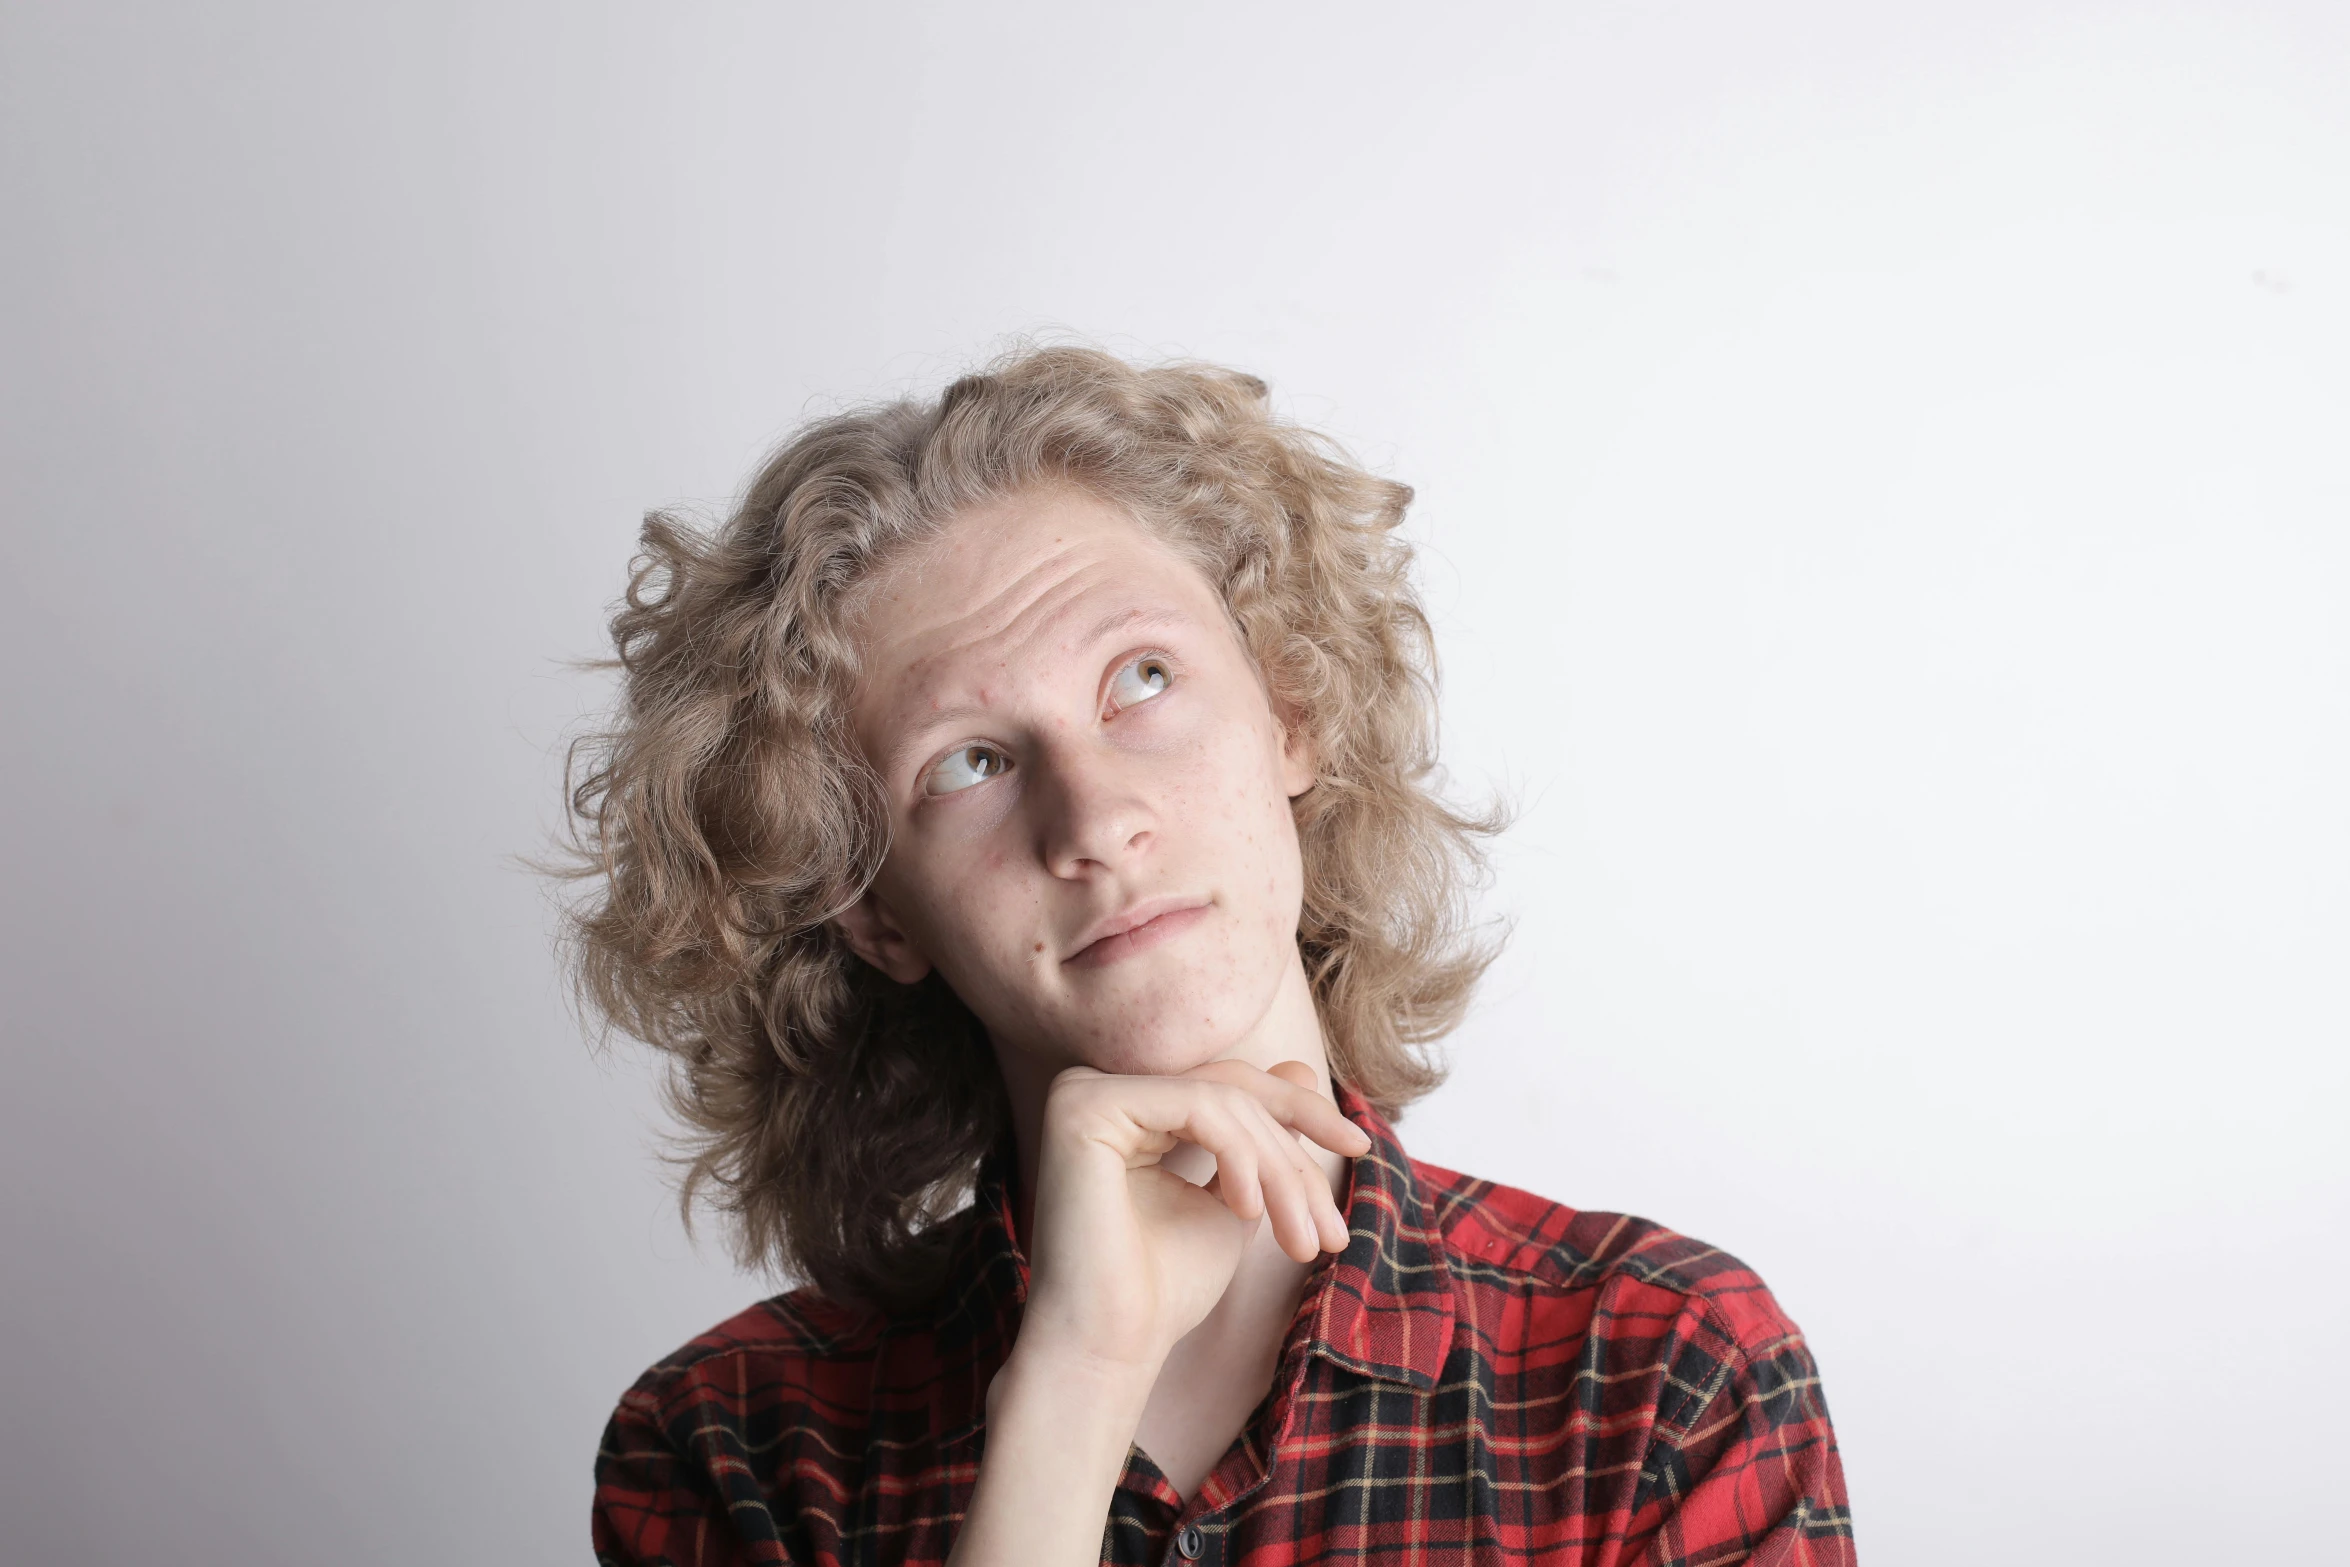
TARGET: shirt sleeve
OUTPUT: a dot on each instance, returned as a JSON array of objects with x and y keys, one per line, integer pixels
[
  {"x": 659, "y": 1506},
  {"x": 1744, "y": 1467}
]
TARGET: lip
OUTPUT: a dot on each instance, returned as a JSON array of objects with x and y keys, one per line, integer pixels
[{"x": 1135, "y": 928}]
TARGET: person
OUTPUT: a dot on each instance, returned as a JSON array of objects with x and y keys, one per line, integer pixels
[{"x": 1020, "y": 826}]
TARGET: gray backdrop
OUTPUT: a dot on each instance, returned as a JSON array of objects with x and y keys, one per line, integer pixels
[{"x": 1886, "y": 500}]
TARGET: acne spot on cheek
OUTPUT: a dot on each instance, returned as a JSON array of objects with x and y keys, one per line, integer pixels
[{"x": 1040, "y": 946}]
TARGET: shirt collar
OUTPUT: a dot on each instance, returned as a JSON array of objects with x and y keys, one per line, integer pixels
[{"x": 1382, "y": 1308}]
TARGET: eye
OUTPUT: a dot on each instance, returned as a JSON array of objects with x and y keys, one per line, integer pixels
[
  {"x": 1141, "y": 679},
  {"x": 961, "y": 768}
]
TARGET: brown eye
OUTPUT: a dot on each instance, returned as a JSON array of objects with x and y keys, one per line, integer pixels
[
  {"x": 1141, "y": 679},
  {"x": 960, "y": 769}
]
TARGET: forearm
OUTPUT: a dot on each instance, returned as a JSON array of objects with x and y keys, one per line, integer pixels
[{"x": 1058, "y": 1430}]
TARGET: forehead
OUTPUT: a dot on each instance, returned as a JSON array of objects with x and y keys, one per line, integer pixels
[{"x": 1009, "y": 587}]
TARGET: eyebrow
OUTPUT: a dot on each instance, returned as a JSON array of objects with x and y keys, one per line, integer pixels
[
  {"x": 1121, "y": 619},
  {"x": 1117, "y": 620}
]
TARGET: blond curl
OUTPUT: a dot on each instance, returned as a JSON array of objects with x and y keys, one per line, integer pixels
[{"x": 724, "y": 816}]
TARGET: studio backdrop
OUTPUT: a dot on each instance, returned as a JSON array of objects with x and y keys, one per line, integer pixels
[{"x": 1883, "y": 490}]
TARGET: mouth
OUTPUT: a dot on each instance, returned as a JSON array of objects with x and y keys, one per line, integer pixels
[{"x": 1134, "y": 929}]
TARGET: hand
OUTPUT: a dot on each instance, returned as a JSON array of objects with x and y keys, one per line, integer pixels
[{"x": 1128, "y": 1257}]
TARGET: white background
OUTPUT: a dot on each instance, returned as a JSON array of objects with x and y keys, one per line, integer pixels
[{"x": 1884, "y": 477}]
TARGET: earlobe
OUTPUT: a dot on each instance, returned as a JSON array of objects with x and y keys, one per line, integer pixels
[
  {"x": 872, "y": 935},
  {"x": 1298, "y": 761}
]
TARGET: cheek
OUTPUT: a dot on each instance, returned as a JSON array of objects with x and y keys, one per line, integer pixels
[
  {"x": 953, "y": 909},
  {"x": 1249, "y": 811}
]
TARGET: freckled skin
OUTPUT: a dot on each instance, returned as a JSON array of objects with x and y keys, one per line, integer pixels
[
  {"x": 1008, "y": 630},
  {"x": 1072, "y": 795}
]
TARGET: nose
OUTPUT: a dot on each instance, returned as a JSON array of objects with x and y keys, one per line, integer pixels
[{"x": 1092, "y": 811}]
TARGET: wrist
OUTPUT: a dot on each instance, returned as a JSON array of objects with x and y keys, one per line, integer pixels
[
  {"x": 1046, "y": 1370},
  {"x": 1103, "y": 1343},
  {"x": 1059, "y": 1427}
]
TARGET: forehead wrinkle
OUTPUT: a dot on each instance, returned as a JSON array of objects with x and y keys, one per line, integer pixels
[{"x": 1026, "y": 610}]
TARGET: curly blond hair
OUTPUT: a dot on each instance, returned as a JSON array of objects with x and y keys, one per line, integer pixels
[{"x": 724, "y": 815}]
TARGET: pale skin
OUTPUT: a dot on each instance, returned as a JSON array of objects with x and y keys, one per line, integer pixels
[{"x": 1092, "y": 842}]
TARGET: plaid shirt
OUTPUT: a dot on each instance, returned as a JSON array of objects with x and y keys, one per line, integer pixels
[{"x": 1481, "y": 1376}]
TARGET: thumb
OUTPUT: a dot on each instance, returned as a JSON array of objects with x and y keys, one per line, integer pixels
[{"x": 1296, "y": 1072}]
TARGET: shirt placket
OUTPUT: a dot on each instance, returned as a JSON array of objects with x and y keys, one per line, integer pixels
[
  {"x": 1143, "y": 1514},
  {"x": 1202, "y": 1531}
]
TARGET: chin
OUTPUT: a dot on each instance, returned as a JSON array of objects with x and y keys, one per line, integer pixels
[
  {"x": 1156, "y": 1056},
  {"x": 1162, "y": 1039},
  {"x": 1158, "y": 1014}
]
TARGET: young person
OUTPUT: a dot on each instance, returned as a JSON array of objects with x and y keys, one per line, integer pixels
[{"x": 1019, "y": 826}]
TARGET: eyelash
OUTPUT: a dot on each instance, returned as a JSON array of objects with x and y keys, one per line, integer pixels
[{"x": 1164, "y": 667}]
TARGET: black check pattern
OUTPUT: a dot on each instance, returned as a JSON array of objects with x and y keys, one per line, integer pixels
[{"x": 1482, "y": 1376}]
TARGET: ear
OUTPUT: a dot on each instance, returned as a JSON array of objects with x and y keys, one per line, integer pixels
[
  {"x": 1299, "y": 762},
  {"x": 875, "y": 935}
]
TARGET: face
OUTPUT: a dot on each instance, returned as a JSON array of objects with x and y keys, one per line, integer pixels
[{"x": 1089, "y": 791}]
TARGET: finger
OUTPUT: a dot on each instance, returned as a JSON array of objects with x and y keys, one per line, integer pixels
[
  {"x": 1319, "y": 1119},
  {"x": 1285, "y": 1089},
  {"x": 1290, "y": 1183},
  {"x": 1137, "y": 1117},
  {"x": 1162, "y": 1103},
  {"x": 1265, "y": 1170},
  {"x": 1289, "y": 1091},
  {"x": 1330, "y": 1227},
  {"x": 1330, "y": 1221},
  {"x": 1215, "y": 1188},
  {"x": 1290, "y": 1209},
  {"x": 1331, "y": 1230},
  {"x": 1239, "y": 1178},
  {"x": 1223, "y": 1109}
]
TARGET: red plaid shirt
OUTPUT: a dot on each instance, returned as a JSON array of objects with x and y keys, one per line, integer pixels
[{"x": 1481, "y": 1376}]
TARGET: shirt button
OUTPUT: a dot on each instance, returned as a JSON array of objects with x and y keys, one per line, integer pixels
[{"x": 1190, "y": 1542}]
